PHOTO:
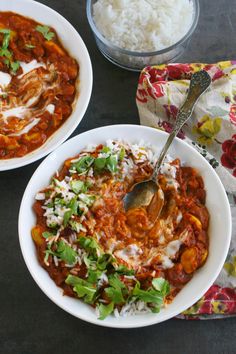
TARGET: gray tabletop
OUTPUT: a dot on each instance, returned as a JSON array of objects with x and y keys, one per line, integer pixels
[{"x": 29, "y": 321}]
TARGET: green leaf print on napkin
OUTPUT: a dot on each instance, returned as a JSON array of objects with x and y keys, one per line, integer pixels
[{"x": 230, "y": 267}]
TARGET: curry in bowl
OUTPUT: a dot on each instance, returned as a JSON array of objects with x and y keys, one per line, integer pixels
[
  {"x": 37, "y": 84},
  {"x": 120, "y": 262}
]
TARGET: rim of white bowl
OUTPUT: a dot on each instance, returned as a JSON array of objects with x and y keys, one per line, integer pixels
[
  {"x": 116, "y": 324},
  {"x": 42, "y": 151}
]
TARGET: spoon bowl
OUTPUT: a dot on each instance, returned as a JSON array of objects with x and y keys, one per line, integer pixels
[{"x": 148, "y": 193}]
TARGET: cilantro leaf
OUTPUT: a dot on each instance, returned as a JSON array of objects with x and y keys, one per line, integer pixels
[
  {"x": 115, "y": 295},
  {"x": 73, "y": 210},
  {"x": 83, "y": 164},
  {"x": 116, "y": 290},
  {"x": 149, "y": 295},
  {"x": 122, "y": 154},
  {"x": 88, "y": 243},
  {"x": 15, "y": 66},
  {"x": 76, "y": 226},
  {"x": 122, "y": 269},
  {"x": 67, "y": 217},
  {"x": 82, "y": 287},
  {"x": 156, "y": 308},
  {"x": 7, "y": 62},
  {"x": 105, "y": 310},
  {"x": 86, "y": 292},
  {"x": 104, "y": 260},
  {"x": 45, "y": 31},
  {"x": 112, "y": 163},
  {"x": 100, "y": 163},
  {"x": 6, "y": 37},
  {"x": 106, "y": 149},
  {"x": 115, "y": 281},
  {"x": 90, "y": 263},
  {"x": 88, "y": 199},
  {"x": 74, "y": 280},
  {"x": 77, "y": 186},
  {"x": 4, "y": 52},
  {"x": 65, "y": 252},
  {"x": 47, "y": 234},
  {"x": 94, "y": 275},
  {"x": 5, "y": 31},
  {"x": 161, "y": 285}
]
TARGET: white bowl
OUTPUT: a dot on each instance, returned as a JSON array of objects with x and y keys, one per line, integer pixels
[
  {"x": 72, "y": 41},
  {"x": 216, "y": 202}
]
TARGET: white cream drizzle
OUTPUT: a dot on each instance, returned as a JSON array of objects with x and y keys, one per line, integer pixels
[
  {"x": 18, "y": 112},
  {"x": 27, "y": 128},
  {"x": 172, "y": 248},
  {"x": 25, "y": 110},
  {"x": 5, "y": 79},
  {"x": 27, "y": 67},
  {"x": 50, "y": 108}
]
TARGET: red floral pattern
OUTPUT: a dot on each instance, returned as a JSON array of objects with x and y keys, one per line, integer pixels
[
  {"x": 232, "y": 114},
  {"x": 217, "y": 300},
  {"x": 228, "y": 158},
  {"x": 161, "y": 90}
]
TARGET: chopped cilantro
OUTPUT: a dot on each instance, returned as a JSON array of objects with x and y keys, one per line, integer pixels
[
  {"x": 94, "y": 275},
  {"x": 7, "y": 62},
  {"x": 106, "y": 149},
  {"x": 100, "y": 163},
  {"x": 57, "y": 201},
  {"x": 4, "y": 52},
  {"x": 105, "y": 310},
  {"x": 83, "y": 288},
  {"x": 76, "y": 226},
  {"x": 149, "y": 295},
  {"x": 104, "y": 260},
  {"x": 73, "y": 210},
  {"x": 15, "y": 66},
  {"x": 109, "y": 163},
  {"x": 115, "y": 282},
  {"x": 86, "y": 292},
  {"x": 73, "y": 280},
  {"x": 162, "y": 285},
  {"x": 122, "y": 154},
  {"x": 112, "y": 163},
  {"x": 88, "y": 243},
  {"x": 87, "y": 199},
  {"x": 65, "y": 252},
  {"x": 45, "y": 31},
  {"x": 115, "y": 295},
  {"x": 83, "y": 164},
  {"x": 124, "y": 270},
  {"x": 77, "y": 186},
  {"x": 47, "y": 234},
  {"x": 6, "y": 37},
  {"x": 90, "y": 263}
]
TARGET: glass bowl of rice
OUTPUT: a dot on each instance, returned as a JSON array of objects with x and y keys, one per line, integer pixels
[{"x": 137, "y": 33}]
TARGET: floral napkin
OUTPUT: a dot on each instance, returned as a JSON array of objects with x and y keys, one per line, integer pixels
[{"x": 212, "y": 131}]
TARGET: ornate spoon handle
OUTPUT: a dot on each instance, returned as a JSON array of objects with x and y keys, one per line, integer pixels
[{"x": 200, "y": 81}]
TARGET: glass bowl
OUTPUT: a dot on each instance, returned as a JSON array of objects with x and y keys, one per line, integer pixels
[{"x": 136, "y": 61}]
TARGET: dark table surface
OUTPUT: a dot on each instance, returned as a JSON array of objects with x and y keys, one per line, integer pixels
[{"x": 29, "y": 322}]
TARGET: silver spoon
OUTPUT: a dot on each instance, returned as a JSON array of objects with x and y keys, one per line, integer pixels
[{"x": 143, "y": 193}]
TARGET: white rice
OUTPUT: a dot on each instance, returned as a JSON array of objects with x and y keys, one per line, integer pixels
[{"x": 143, "y": 25}]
